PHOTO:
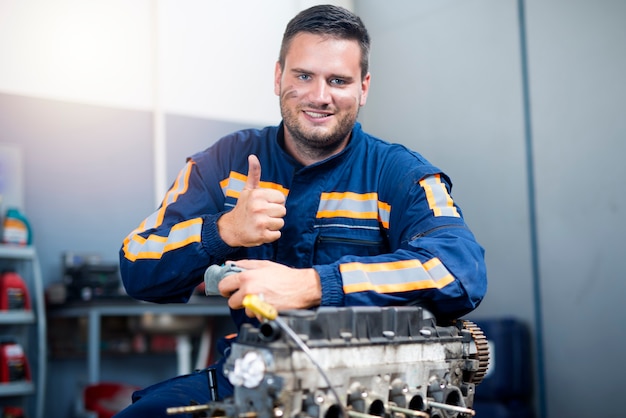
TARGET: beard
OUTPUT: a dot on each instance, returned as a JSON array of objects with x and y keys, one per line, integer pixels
[{"x": 317, "y": 142}]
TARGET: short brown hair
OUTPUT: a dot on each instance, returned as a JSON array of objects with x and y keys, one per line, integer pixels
[{"x": 332, "y": 21}]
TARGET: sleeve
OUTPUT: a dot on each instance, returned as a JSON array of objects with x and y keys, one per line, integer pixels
[
  {"x": 164, "y": 258},
  {"x": 434, "y": 259}
]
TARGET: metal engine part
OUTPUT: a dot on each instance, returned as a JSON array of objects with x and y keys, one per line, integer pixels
[{"x": 367, "y": 361}]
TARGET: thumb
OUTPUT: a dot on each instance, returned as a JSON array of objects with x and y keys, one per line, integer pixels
[{"x": 254, "y": 172}]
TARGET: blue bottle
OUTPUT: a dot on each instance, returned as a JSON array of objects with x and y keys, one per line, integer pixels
[{"x": 16, "y": 229}]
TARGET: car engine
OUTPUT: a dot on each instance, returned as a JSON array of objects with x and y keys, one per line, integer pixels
[{"x": 352, "y": 362}]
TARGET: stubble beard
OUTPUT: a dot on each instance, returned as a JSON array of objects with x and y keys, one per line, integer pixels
[{"x": 316, "y": 143}]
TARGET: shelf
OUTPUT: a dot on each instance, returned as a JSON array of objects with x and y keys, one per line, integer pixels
[
  {"x": 17, "y": 388},
  {"x": 16, "y": 252},
  {"x": 17, "y": 317},
  {"x": 27, "y": 327}
]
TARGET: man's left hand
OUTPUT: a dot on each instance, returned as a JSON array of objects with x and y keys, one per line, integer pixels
[{"x": 281, "y": 286}]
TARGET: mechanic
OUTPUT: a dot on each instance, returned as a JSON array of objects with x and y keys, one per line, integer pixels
[{"x": 315, "y": 211}]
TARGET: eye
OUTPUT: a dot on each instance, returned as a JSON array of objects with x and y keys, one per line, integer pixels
[
  {"x": 303, "y": 77},
  {"x": 337, "y": 81}
]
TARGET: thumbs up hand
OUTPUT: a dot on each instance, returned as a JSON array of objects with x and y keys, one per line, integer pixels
[{"x": 258, "y": 215}]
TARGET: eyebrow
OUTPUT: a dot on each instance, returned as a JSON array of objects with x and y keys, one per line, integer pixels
[{"x": 299, "y": 71}]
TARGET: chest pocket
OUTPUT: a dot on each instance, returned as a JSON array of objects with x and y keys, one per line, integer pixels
[{"x": 332, "y": 245}]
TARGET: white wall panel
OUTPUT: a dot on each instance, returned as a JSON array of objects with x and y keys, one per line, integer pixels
[
  {"x": 217, "y": 58},
  {"x": 95, "y": 52},
  {"x": 211, "y": 59}
]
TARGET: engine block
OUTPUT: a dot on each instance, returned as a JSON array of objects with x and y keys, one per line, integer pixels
[{"x": 356, "y": 361}]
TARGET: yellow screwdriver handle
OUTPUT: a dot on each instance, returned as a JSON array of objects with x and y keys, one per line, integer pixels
[{"x": 259, "y": 307}]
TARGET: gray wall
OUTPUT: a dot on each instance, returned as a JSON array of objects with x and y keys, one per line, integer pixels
[
  {"x": 88, "y": 174},
  {"x": 89, "y": 170},
  {"x": 188, "y": 135},
  {"x": 447, "y": 81},
  {"x": 577, "y": 61}
]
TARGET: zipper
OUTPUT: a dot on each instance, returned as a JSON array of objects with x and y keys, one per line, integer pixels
[{"x": 430, "y": 231}]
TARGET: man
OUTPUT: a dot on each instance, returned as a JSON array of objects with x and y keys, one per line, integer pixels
[{"x": 316, "y": 211}]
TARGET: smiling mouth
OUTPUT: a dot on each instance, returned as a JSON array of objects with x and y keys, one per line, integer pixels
[{"x": 316, "y": 115}]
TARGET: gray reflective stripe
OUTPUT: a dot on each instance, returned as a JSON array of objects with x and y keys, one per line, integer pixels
[
  {"x": 436, "y": 270},
  {"x": 153, "y": 220},
  {"x": 353, "y": 205},
  {"x": 386, "y": 277},
  {"x": 384, "y": 214},
  {"x": 396, "y": 276},
  {"x": 233, "y": 186},
  {"x": 179, "y": 187},
  {"x": 347, "y": 204},
  {"x": 439, "y": 200},
  {"x": 154, "y": 246}
]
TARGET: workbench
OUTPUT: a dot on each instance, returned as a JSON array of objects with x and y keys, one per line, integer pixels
[{"x": 94, "y": 311}]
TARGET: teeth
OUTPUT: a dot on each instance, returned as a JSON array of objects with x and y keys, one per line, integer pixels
[{"x": 316, "y": 115}]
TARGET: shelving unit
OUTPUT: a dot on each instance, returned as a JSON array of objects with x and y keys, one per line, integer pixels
[{"x": 28, "y": 327}]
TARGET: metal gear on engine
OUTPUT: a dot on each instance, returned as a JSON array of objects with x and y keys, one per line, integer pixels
[{"x": 482, "y": 350}]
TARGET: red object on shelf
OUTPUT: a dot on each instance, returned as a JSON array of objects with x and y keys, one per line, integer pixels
[
  {"x": 13, "y": 292},
  {"x": 106, "y": 398},
  {"x": 12, "y": 412},
  {"x": 162, "y": 343},
  {"x": 13, "y": 362}
]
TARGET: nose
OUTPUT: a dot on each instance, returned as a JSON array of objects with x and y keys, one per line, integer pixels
[{"x": 320, "y": 92}]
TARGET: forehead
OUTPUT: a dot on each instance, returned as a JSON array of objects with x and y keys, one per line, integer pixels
[{"x": 320, "y": 53}]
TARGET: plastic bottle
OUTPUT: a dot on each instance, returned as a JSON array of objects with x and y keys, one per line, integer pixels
[
  {"x": 16, "y": 228},
  {"x": 14, "y": 292}
]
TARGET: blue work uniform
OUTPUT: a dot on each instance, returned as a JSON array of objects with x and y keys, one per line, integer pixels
[{"x": 376, "y": 221}]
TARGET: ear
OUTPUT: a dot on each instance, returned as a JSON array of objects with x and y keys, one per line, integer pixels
[
  {"x": 365, "y": 88},
  {"x": 278, "y": 73}
]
